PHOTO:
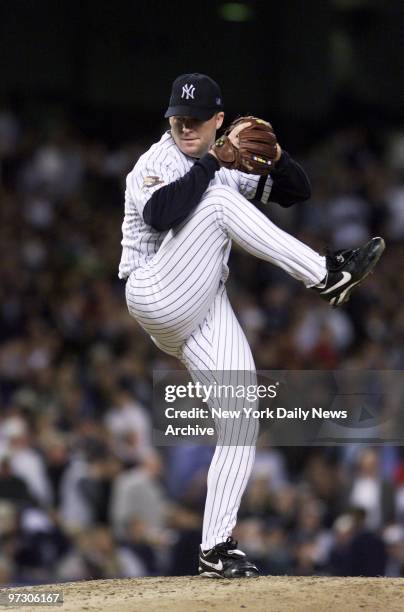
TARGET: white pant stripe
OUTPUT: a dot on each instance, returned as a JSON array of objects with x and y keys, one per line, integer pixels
[{"x": 180, "y": 299}]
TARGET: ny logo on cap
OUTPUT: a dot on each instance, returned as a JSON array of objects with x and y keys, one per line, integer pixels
[{"x": 188, "y": 91}]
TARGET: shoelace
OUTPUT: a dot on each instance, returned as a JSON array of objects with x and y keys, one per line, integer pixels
[{"x": 229, "y": 544}]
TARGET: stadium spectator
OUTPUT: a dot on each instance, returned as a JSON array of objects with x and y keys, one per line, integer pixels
[{"x": 78, "y": 467}]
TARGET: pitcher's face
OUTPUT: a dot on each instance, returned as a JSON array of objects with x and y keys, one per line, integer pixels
[{"x": 194, "y": 137}]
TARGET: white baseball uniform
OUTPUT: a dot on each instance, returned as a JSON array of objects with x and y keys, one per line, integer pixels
[{"x": 176, "y": 291}]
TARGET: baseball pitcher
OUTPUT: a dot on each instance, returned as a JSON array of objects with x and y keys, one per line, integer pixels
[{"x": 187, "y": 199}]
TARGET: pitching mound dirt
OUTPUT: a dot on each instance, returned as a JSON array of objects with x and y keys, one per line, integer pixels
[{"x": 193, "y": 594}]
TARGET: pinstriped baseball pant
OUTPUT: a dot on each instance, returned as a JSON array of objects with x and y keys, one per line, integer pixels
[{"x": 179, "y": 298}]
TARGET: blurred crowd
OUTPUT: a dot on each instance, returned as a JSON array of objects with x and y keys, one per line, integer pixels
[{"x": 83, "y": 492}]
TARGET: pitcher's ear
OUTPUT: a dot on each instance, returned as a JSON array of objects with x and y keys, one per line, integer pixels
[{"x": 219, "y": 119}]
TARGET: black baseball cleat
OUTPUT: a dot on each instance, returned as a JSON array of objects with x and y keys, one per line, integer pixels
[
  {"x": 347, "y": 269},
  {"x": 226, "y": 561}
]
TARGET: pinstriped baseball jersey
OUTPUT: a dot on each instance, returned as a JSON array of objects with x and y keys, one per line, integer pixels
[
  {"x": 162, "y": 164},
  {"x": 176, "y": 292}
]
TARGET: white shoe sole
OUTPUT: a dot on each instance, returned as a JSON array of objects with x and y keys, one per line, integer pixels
[{"x": 211, "y": 575}]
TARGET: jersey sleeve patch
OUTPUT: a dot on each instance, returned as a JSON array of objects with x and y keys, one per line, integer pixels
[{"x": 152, "y": 181}]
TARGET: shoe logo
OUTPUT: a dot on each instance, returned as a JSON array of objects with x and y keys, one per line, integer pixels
[
  {"x": 346, "y": 277},
  {"x": 340, "y": 258},
  {"x": 341, "y": 297},
  {"x": 217, "y": 566}
]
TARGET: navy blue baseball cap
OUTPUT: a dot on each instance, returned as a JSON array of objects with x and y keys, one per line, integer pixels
[{"x": 195, "y": 95}]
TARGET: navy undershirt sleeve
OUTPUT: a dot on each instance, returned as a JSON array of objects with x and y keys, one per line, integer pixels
[
  {"x": 171, "y": 204},
  {"x": 290, "y": 182}
]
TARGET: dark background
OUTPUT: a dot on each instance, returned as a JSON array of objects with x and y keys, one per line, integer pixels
[{"x": 303, "y": 64}]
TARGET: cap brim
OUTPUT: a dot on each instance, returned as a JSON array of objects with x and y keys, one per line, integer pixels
[{"x": 188, "y": 111}]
